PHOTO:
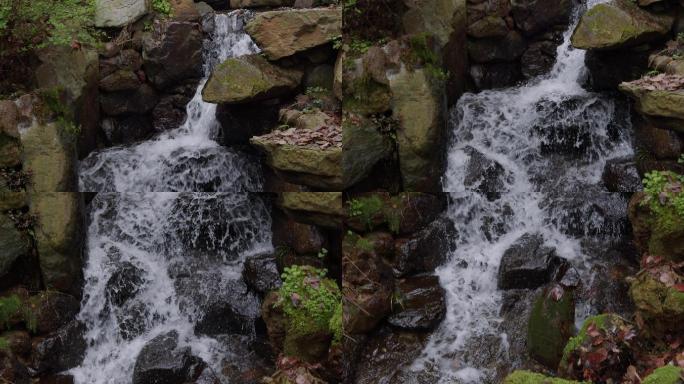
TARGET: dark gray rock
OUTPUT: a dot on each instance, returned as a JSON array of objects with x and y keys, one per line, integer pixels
[
  {"x": 12, "y": 243},
  {"x": 239, "y": 123},
  {"x": 139, "y": 101},
  {"x": 621, "y": 175},
  {"x": 170, "y": 113},
  {"x": 528, "y": 264},
  {"x": 534, "y": 16},
  {"x": 425, "y": 250},
  {"x": 261, "y": 273},
  {"x": 538, "y": 59},
  {"x": 127, "y": 129},
  {"x": 61, "y": 350},
  {"x": 419, "y": 303},
  {"x": 173, "y": 53},
  {"x": 124, "y": 283},
  {"x": 162, "y": 361},
  {"x": 495, "y": 75},
  {"x": 484, "y": 175},
  {"x": 491, "y": 50}
]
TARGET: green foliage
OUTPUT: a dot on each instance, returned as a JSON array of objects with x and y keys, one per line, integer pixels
[
  {"x": 162, "y": 6},
  {"x": 9, "y": 307},
  {"x": 665, "y": 198},
  {"x": 62, "y": 113},
  {"x": 365, "y": 208},
  {"x": 668, "y": 374},
  {"x": 359, "y": 47},
  {"x": 336, "y": 325},
  {"x": 309, "y": 299},
  {"x": 40, "y": 23},
  {"x": 422, "y": 53},
  {"x": 4, "y": 344},
  {"x": 322, "y": 253},
  {"x": 652, "y": 73},
  {"x": 364, "y": 244}
]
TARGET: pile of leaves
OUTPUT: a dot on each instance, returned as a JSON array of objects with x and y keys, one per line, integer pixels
[
  {"x": 660, "y": 82},
  {"x": 294, "y": 371},
  {"x": 323, "y": 137},
  {"x": 14, "y": 179},
  {"x": 604, "y": 354},
  {"x": 666, "y": 272}
]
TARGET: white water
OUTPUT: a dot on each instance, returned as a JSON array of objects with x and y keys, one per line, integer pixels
[
  {"x": 514, "y": 128},
  {"x": 188, "y": 247},
  {"x": 187, "y": 158}
]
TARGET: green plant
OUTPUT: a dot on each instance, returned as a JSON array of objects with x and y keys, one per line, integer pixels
[
  {"x": 652, "y": 73},
  {"x": 322, "y": 253},
  {"x": 162, "y": 6},
  {"x": 359, "y": 47},
  {"x": 64, "y": 116},
  {"x": 665, "y": 197},
  {"x": 337, "y": 42},
  {"x": 4, "y": 344},
  {"x": 681, "y": 160},
  {"x": 336, "y": 325},
  {"x": 309, "y": 299},
  {"x": 423, "y": 53},
  {"x": 9, "y": 308}
]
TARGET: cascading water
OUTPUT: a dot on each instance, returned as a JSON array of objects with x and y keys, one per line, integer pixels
[
  {"x": 187, "y": 158},
  {"x": 168, "y": 234},
  {"x": 523, "y": 160}
]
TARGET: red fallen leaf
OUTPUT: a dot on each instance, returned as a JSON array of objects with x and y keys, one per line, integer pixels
[
  {"x": 597, "y": 341},
  {"x": 593, "y": 331},
  {"x": 556, "y": 293},
  {"x": 597, "y": 357},
  {"x": 679, "y": 287}
]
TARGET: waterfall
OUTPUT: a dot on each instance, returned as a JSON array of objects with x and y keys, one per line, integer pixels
[
  {"x": 544, "y": 145},
  {"x": 187, "y": 158},
  {"x": 168, "y": 234}
]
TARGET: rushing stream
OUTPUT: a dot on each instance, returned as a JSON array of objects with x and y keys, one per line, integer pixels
[
  {"x": 526, "y": 159},
  {"x": 168, "y": 233}
]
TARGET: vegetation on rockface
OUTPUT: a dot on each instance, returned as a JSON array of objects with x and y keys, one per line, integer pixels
[
  {"x": 27, "y": 25},
  {"x": 668, "y": 374},
  {"x": 162, "y": 6},
  {"x": 423, "y": 53},
  {"x": 371, "y": 19},
  {"x": 527, "y": 377},
  {"x": 58, "y": 109},
  {"x": 13, "y": 310},
  {"x": 373, "y": 211},
  {"x": 311, "y": 303},
  {"x": 664, "y": 197}
]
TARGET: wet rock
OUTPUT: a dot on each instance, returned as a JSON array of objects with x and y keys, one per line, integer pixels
[
  {"x": 317, "y": 208},
  {"x": 550, "y": 325},
  {"x": 387, "y": 354},
  {"x": 283, "y": 33},
  {"x": 664, "y": 144},
  {"x": 302, "y": 238},
  {"x": 621, "y": 175},
  {"x": 19, "y": 342},
  {"x": 126, "y": 129},
  {"x": 12, "y": 370},
  {"x": 50, "y": 157},
  {"x": 538, "y": 59},
  {"x": 261, "y": 273},
  {"x": 607, "y": 69},
  {"x": 405, "y": 213},
  {"x": 495, "y": 75},
  {"x": 490, "y": 50},
  {"x": 484, "y": 175},
  {"x": 490, "y": 26},
  {"x": 59, "y": 239},
  {"x": 528, "y": 264},
  {"x": 241, "y": 122},
  {"x": 118, "y": 13},
  {"x": 56, "y": 379},
  {"x": 121, "y": 80},
  {"x": 247, "y": 79},
  {"x": 223, "y": 318},
  {"x": 364, "y": 146},
  {"x": 163, "y": 48},
  {"x": 419, "y": 303},
  {"x": 62, "y": 350},
  {"x": 534, "y": 16},
  {"x": 169, "y": 113},
  {"x": 51, "y": 311},
  {"x": 618, "y": 24},
  {"x": 124, "y": 283},
  {"x": 126, "y": 60},
  {"x": 276, "y": 323},
  {"x": 131, "y": 319},
  {"x": 425, "y": 250},
  {"x": 140, "y": 101},
  {"x": 12, "y": 242},
  {"x": 162, "y": 360}
]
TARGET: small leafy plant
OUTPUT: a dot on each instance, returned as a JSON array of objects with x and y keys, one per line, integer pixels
[
  {"x": 665, "y": 197},
  {"x": 162, "y": 6}
]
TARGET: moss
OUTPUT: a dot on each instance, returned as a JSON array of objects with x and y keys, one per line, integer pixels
[
  {"x": 9, "y": 309},
  {"x": 366, "y": 208},
  {"x": 549, "y": 328},
  {"x": 576, "y": 342},
  {"x": 527, "y": 377},
  {"x": 366, "y": 96},
  {"x": 336, "y": 324},
  {"x": 364, "y": 244},
  {"x": 4, "y": 344},
  {"x": 668, "y": 374}
]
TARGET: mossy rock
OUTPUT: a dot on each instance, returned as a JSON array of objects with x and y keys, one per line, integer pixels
[
  {"x": 663, "y": 108},
  {"x": 661, "y": 307},
  {"x": 527, "y": 377},
  {"x": 364, "y": 146},
  {"x": 50, "y": 155},
  {"x": 661, "y": 236},
  {"x": 550, "y": 326},
  {"x": 317, "y": 208},
  {"x": 247, "y": 79},
  {"x": 404, "y": 213},
  {"x": 365, "y": 96},
  {"x": 619, "y": 24},
  {"x": 13, "y": 244},
  {"x": 668, "y": 374}
]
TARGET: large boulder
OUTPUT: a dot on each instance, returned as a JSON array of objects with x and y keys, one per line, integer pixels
[
  {"x": 419, "y": 105},
  {"x": 550, "y": 326},
  {"x": 51, "y": 157},
  {"x": 364, "y": 145},
  {"x": 619, "y": 24},
  {"x": 240, "y": 122},
  {"x": 249, "y": 78},
  {"x": 660, "y": 99},
  {"x": 162, "y": 361},
  {"x": 173, "y": 53},
  {"x": 12, "y": 242},
  {"x": 621, "y": 175},
  {"x": 126, "y": 281},
  {"x": 658, "y": 302},
  {"x": 318, "y": 208},
  {"x": 283, "y": 33},
  {"x": 387, "y": 354},
  {"x": 118, "y": 13},
  {"x": 312, "y": 157},
  {"x": 660, "y": 235},
  {"x": 59, "y": 239},
  {"x": 126, "y": 129},
  {"x": 61, "y": 350},
  {"x": 419, "y": 303},
  {"x": 140, "y": 101},
  {"x": 491, "y": 50},
  {"x": 72, "y": 76},
  {"x": 425, "y": 250},
  {"x": 528, "y": 264},
  {"x": 261, "y": 273},
  {"x": 50, "y": 311},
  {"x": 534, "y": 16}
]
